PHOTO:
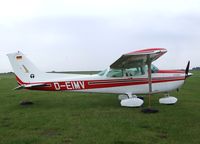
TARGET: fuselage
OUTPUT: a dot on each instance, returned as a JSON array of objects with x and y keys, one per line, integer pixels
[{"x": 162, "y": 81}]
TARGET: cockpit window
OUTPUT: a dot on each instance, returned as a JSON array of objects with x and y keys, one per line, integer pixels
[
  {"x": 154, "y": 69},
  {"x": 131, "y": 72},
  {"x": 134, "y": 71},
  {"x": 115, "y": 73}
]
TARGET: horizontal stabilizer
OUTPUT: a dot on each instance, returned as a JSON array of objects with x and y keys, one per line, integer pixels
[{"x": 29, "y": 86}]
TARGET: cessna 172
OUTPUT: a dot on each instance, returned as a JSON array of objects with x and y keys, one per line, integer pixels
[{"x": 132, "y": 74}]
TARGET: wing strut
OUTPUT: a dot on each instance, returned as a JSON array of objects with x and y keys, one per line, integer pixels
[
  {"x": 149, "y": 79},
  {"x": 149, "y": 109}
]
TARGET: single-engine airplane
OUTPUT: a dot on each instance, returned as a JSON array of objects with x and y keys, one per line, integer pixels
[{"x": 132, "y": 74}]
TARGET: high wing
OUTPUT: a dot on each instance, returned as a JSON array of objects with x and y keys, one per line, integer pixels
[{"x": 138, "y": 58}]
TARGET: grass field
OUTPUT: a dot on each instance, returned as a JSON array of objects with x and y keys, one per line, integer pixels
[{"x": 78, "y": 118}]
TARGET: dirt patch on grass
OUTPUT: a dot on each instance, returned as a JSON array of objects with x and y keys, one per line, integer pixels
[
  {"x": 67, "y": 140},
  {"x": 163, "y": 135},
  {"x": 124, "y": 142},
  {"x": 51, "y": 133},
  {"x": 5, "y": 122}
]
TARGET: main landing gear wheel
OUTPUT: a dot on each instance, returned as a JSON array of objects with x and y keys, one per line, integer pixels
[
  {"x": 130, "y": 101},
  {"x": 168, "y": 100}
]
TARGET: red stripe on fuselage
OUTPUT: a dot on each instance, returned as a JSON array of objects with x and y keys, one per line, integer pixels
[
  {"x": 171, "y": 71},
  {"x": 95, "y": 84}
]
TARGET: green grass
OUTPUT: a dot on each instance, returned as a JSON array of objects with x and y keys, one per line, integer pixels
[{"x": 78, "y": 118}]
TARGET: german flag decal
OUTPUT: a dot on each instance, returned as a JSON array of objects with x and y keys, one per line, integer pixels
[{"x": 19, "y": 57}]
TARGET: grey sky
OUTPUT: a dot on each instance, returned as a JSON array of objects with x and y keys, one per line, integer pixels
[{"x": 90, "y": 35}]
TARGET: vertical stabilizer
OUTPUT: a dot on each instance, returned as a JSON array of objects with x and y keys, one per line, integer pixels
[{"x": 24, "y": 69}]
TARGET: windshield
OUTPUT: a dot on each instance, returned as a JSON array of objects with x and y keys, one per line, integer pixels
[{"x": 102, "y": 72}]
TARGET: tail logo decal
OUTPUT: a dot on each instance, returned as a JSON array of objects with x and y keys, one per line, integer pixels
[{"x": 32, "y": 76}]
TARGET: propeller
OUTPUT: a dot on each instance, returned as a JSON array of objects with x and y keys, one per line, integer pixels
[{"x": 187, "y": 70}]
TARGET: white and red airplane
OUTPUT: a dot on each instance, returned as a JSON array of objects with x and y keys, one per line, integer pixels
[{"x": 130, "y": 75}]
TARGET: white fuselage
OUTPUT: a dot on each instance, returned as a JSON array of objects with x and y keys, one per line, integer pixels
[{"x": 161, "y": 82}]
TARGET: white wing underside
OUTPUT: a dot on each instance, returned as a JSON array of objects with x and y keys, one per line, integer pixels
[{"x": 137, "y": 59}]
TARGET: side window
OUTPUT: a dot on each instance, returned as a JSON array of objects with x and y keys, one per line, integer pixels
[
  {"x": 115, "y": 73},
  {"x": 134, "y": 71},
  {"x": 154, "y": 69},
  {"x": 131, "y": 72}
]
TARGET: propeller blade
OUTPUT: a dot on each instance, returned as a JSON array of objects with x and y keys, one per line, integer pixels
[{"x": 187, "y": 69}]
